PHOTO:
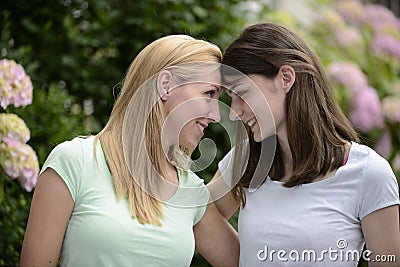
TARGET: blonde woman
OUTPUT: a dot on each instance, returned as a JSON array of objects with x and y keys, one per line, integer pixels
[{"x": 125, "y": 196}]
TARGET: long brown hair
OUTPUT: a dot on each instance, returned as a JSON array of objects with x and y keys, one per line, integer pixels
[{"x": 317, "y": 129}]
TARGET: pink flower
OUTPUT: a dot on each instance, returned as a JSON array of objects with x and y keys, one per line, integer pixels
[
  {"x": 18, "y": 159},
  {"x": 365, "y": 112},
  {"x": 384, "y": 145},
  {"x": 348, "y": 36},
  {"x": 20, "y": 162},
  {"x": 15, "y": 86},
  {"x": 331, "y": 19},
  {"x": 347, "y": 74},
  {"x": 13, "y": 129},
  {"x": 391, "y": 108},
  {"x": 381, "y": 17},
  {"x": 396, "y": 162},
  {"x": 28, "y": 179},
  {"x": 11, "y": 169},
  {"x": 352, "y": 11},
  {"x": 386, "y": 44}
]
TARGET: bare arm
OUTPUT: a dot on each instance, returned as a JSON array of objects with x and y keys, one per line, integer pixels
[
  {"x": 222, "y": 196},
  {"x": 382, "y": 235},
  {"x": 51, "y": 209},
  {"x": 216, "y": 239}
]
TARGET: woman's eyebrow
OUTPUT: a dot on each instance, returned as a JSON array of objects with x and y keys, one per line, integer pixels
[{"x": 235, "y": 86}]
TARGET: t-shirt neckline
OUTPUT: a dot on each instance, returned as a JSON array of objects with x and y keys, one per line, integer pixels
[{"x": 348, "y": 161}]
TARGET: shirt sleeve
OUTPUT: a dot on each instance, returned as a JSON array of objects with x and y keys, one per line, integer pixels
[
  {"x": 192, "y": 194},
  {"x": 203, "y": 198},
  {"x": 200, "y": 213},
  {"x": 380, "y": 188},
  {"x": 67, "y": 160},
  {"x": 225, "y": 167}
]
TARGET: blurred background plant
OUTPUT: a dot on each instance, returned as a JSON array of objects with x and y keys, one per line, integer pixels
[{"x": 18, "y": 161}]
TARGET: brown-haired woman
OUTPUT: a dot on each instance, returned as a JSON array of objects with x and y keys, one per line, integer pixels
[{"x": 322, "y": 195}]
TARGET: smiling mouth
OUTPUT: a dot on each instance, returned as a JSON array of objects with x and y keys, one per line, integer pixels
[
  {"x": 201, "y": 126},
  {"x": 251, "y": 122}
]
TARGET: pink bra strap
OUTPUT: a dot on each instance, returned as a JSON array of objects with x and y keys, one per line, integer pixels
[{"x": 345, "y": 160}]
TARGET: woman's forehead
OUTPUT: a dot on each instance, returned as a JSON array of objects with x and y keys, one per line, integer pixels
[{"x": 233, "y": 83}]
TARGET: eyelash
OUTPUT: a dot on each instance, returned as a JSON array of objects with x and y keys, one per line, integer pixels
[
  {"x": 239, "y": 94},
  {"x": 230, "y": 93},
  {"x": 211, "y": 93}
]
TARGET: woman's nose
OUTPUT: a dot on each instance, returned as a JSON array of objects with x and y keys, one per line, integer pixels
[
  {"x": 235, "y": 110},
  {"x": 215, "y": 114}
]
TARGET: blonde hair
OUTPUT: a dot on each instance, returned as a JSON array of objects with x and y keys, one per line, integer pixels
[{"x": 142, "y": 119}]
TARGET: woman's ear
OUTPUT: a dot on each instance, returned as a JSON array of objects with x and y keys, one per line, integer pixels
[
  {"x": 164, "y": 81},
  {"x": 288, "y": 76}
]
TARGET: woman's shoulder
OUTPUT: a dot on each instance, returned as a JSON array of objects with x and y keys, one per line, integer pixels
[
  {"x": 379, "y": 186},
  {"x": 68, "y": 160},
  {"x": 375, "y": 171},
  {"x": 74, "y": 147},
  {"x": 192, "y": 191},
  {"x": 69, "y": 154},
  {"x": 188, "y": 178},
  {"x": 374, "y": 163}
]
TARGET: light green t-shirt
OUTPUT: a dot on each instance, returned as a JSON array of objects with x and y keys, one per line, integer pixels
[{"x": 101, "y": 231}]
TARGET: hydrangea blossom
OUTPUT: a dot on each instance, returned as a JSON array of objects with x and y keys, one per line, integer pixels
[
  {"x": 391, "y": 108},
  {"x": 348, "y": 74},
  {"x": 386, "y": 44},
  {"x": 352, "y": 11},
  {"x": 20, "y": 161},
  {"x": 330, "y": 18},
  {"x": 13, "y": 129},
  {"x": 15, "y": 86},
  {"x": 384, "y": 145},
  {"x": 396, "y": 162},
  {"x": 348, "y": 36},
  {"x": 365, "y": 110},
  {"x": 381, "y": 18},
  {"x": 17, "y": 159}
]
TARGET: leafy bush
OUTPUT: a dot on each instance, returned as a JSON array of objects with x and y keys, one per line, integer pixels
[{"x": 18, "y": 161}]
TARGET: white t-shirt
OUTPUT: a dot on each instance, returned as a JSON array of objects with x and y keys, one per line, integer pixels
[{"x": 316, "y": 224}]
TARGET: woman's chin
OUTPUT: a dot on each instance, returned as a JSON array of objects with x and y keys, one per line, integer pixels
[
  {"x": 190, "y": 145},
  {"x": 259, "y": 138}
]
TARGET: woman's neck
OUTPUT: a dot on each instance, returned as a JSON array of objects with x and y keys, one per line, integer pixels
[
  {"x": 170, "y": 173},
  {"x": 286, "y": 155},
  {"x": 169, "y": 182}
]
